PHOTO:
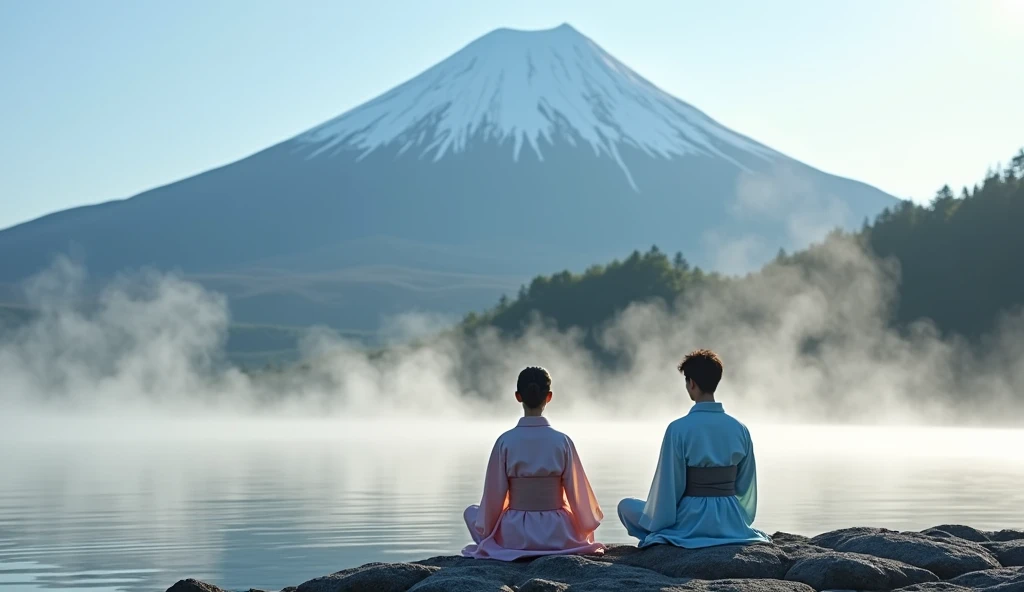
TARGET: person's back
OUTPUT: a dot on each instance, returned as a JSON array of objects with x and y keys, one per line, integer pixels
[
  {"x": 537, "y": 499},
  {"x": 704, "y": 491}
]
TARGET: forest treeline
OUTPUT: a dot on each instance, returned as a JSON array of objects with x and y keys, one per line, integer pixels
[{"x": 959, "y": 260}]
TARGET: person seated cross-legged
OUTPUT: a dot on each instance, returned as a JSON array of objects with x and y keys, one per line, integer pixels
[{"x": 705, "y": 487}]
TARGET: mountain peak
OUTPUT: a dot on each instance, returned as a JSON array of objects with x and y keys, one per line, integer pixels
[
  {"x": 532, "y": 89},
  {"x": 564, "y": 29}
]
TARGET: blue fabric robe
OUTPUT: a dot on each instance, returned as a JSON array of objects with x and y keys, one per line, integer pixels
[{"x": 706, "y": 437}]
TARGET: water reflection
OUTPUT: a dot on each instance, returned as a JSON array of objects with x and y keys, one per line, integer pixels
[{"x": 268, "y": 512}]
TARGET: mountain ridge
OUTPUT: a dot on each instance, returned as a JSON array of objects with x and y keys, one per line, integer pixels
[{"x": 479, "y": 208}]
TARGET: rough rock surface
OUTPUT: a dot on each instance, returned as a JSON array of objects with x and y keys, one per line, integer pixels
[
  {"x": 191, "y": 585},
  {"x": 1009, "y": 534},
  {"x": 739, "y": 586},
  {"x": 381, "y": 577},
  {"x": 935, "y": 587},
  {"x": 539, "y": 585},
  {"x": 960, "y": 531},
  {"x": 1009, "y": 553},
  {"x": 796, "y": 546},
  {"x": 761, "y": 561},
  {"x": 945, "y": 558},
  {"x": 992, "y": 580},
  {"x": 992, "y": 577},
  {"x": 851, "y": 571}
]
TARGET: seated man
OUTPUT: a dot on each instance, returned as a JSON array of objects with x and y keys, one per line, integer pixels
[{"x": 705, "y": 488}]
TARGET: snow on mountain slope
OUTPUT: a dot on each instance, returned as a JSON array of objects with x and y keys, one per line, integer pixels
[{"x": 529, "y": 87}]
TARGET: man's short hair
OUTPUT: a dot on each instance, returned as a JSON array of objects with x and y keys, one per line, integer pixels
[{"x": 704, "y": 367}]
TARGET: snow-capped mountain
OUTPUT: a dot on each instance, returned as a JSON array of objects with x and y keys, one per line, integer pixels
[
  {"x": 528, "y": 88},
  {"x": 522, "y": 153}
]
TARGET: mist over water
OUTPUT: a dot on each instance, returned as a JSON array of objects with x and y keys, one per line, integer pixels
[
  {"x": 269, "y": 503},
  {"x": 136, "y": 454},
  {"x": 800, "y": 344}
]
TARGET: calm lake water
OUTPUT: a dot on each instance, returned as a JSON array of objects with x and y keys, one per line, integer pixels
[{"x": 271, "y": 504}]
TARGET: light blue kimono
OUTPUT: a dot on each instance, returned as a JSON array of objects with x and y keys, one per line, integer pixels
[{"x": 706, "y": 437}]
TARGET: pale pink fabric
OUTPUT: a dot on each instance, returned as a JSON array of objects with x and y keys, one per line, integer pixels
[{"x": 533, "y": 449}]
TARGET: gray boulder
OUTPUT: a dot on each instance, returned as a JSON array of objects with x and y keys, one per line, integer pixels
[
  {"x": 452, "y": 581},
  {"x": 939, "y": 534},
  {"x": 448, "y": 561},
  {"x": 752, "y": 585},
  {"x": 539, "y": 585},
  {"x": 578, "y": 570},
  {"x": 1009, "y": 554},
  {"x": 1008, "y": 579},
  {"x": 509, "y": 573},
  {"x": 372, "y": 577},
  {"x": 586, "y": 573},
  {"x": 946, "y": 558},
  {"x": 796, "y": 546},
  {"x": 782, "y": 538},
  {"x": 1005, "y": 579},
  {"x": 834, "y": 538},
  {"x": 851, "y": 571},
  {"x": 191, "y": 585},
  {"x": 960, "y": 531},
  {"x": 758, "y": 561},
  {"x": 935, "y": 587},
  {"x": 1006, "y": 535}
]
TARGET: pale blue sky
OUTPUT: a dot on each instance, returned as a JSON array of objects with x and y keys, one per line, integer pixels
[{"x": 102, "y": 99}]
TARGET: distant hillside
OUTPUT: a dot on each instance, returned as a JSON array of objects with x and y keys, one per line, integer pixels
[{"x": 958, "y": 258}]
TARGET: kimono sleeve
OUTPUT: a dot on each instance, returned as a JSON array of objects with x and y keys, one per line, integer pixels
[
  {"x": 578, "y": 493},
  {"x": 746, "y": 481},
  {"x": 667, "y": 488},
  {"x": 495, "y": 496}
]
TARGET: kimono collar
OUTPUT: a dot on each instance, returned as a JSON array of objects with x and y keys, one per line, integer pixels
[
  {"x": 715, "y": 407},
  {"x": 533, "y": 422}
]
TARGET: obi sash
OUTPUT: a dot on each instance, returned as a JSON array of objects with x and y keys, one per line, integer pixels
[
  {"x": 710, "y": 481},
  {"x": 535, "y": 494}
]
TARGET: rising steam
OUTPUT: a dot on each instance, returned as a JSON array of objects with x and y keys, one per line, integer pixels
[{"x": 806, "y": 343}]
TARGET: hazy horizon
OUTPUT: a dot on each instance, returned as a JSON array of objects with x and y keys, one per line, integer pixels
[{"x": 152, "y": 345}]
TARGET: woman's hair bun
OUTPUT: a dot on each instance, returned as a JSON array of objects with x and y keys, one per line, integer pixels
[{"x": 533, "y": 386}]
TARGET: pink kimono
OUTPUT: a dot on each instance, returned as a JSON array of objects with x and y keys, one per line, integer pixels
[{"x": 537, "y": 499}]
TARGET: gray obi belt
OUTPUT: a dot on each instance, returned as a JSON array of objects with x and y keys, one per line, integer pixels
[
  {"x": 710, "y": 481},
  {"x": 535, "y": 494}
]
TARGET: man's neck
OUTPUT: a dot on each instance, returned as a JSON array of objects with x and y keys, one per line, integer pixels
[
  {"x": 527, "y": 412},
  {"x": 705, "y": 398}
]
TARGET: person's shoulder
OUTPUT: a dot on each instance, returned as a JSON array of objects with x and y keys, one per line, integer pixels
[
  {"x": 735, "y": 419},
  {"x": 742, "y": 427},
  {"x": 558, "y": 435},
  {"x": 504, "y": 436},
  {"x": 679, "y": 423}
]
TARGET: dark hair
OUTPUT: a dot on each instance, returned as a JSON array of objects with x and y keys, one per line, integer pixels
[
  {"x": 704, "y": 367},
  {"x": 533, "y": 386}
]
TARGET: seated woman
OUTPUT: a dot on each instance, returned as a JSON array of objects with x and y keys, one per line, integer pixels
[{"x": 537, "y": 499}]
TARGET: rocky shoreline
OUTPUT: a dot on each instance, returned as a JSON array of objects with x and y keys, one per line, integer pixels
[{"x": 947, "y": 558}]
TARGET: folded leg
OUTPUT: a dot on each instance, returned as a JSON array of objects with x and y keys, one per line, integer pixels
[
  {"x": 630, "y": 510},
  {"x": 470, "y": 517}
]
